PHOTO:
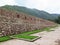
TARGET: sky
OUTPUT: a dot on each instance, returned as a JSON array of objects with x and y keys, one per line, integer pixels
[{"x": 51, "y": 6}]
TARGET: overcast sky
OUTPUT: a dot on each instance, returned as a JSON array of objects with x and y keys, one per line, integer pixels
[{"x": 51, "y": 6}]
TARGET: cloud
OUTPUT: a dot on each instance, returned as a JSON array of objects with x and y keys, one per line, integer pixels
[
  {"x": 39, "y": 4},
  {"x": 7, "y": 2},
  {"x": 52, "y": 6},
  {"x": 21, "y": 2}
]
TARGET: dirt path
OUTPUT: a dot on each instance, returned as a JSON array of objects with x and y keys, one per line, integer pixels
[{"x": 48, "y": 38}]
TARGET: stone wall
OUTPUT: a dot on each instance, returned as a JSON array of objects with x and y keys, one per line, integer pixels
[
  {"x": 12, "y": 22},
  {"x": 14, "y": 28}
]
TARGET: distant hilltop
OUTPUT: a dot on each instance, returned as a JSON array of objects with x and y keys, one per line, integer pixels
[{"x": 33, "y": 12}]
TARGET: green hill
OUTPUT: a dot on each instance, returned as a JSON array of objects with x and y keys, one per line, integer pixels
[{"x": 33, "y": 12}]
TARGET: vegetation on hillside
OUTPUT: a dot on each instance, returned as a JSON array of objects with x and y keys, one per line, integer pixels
[
  {"x": 57, "y": 20},
  {"x": 33, "y": 12}
]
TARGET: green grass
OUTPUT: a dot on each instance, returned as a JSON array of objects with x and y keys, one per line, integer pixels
[
  {"x": 4, "y": 38},
  {"x": 48, "y": 29},
  {"x": 26, "y": 35},
  {"x": 31, "y": 32}
]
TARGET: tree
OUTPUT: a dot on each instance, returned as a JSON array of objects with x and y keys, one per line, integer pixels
[{"x": 57, "y": 20}]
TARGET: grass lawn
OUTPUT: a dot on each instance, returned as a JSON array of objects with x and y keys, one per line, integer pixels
[
  {"x": 26, "y": 35},
  {"x": 31, "y": 32},
  {"x": 4, "y": 38}
]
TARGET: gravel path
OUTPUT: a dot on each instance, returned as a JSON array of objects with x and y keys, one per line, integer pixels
[{"x": 48, "y": 38}]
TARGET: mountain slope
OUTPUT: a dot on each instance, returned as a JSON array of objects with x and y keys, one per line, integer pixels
[{"x": 33, "y": 12}]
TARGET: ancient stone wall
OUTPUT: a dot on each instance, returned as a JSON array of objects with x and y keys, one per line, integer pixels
[{"x": 12, "y": 22}]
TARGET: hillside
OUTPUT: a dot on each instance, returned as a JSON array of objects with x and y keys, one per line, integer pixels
[
  {"x": 33, "y": 12},
  {"x": 15, "y": 22}
]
